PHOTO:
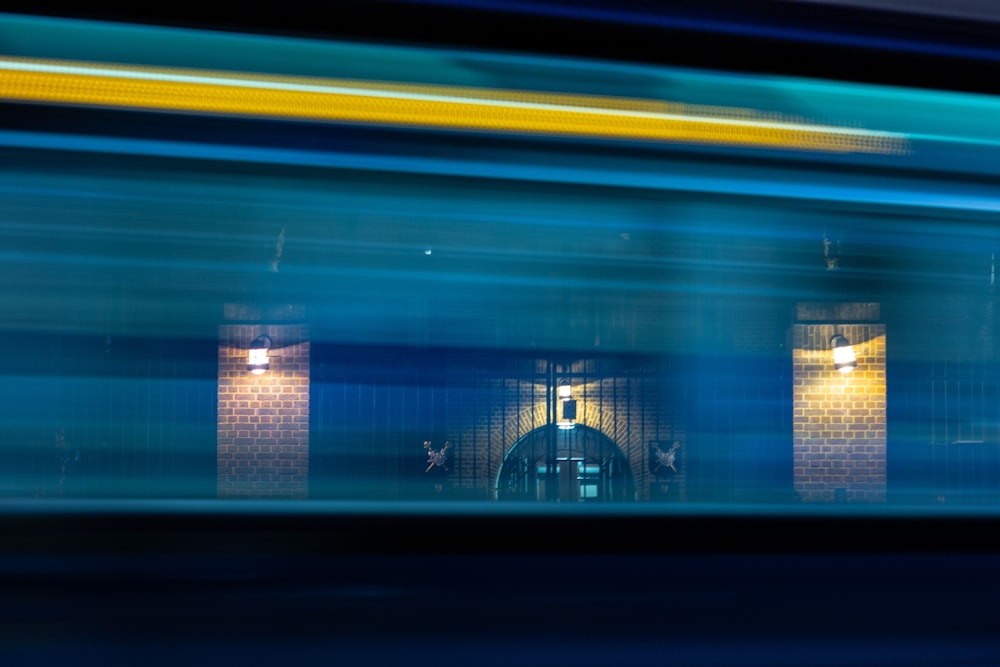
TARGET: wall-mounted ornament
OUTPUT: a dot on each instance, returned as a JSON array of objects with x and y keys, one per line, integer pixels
[{"x": 437, "y": 458}]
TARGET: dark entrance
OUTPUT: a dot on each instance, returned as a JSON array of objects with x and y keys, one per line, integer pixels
[{"x": 578, "y": 464}]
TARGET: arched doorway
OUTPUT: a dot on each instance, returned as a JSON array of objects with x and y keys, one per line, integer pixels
[{"x": 553, "y": 464}]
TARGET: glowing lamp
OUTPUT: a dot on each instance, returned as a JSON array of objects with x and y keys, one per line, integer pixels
[
  {"x": 843, "y": 354},
  {"x": 257, "y": 360},
  {"x": 565, "y": 391}
]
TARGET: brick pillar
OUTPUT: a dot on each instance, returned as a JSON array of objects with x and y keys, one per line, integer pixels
[
  {"x": 839, "y": 419},
  {"x": 263, "y": 420}
]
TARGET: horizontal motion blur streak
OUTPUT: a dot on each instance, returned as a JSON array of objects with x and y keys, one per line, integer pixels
[{"x": 468, "y": 109}]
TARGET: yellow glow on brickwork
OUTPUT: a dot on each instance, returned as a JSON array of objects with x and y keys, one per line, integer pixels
[
  {"x": 839, "y": 420},
  {"x": 263, "y": 420},
  {"x": 430, "y": 106}
]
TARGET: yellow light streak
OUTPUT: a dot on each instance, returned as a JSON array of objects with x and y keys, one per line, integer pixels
[{"x": 426, "y": 106}]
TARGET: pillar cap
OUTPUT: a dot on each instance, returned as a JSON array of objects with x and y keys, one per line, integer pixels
[
  {"x": 840, "y": 312},
  {"x": 280, "y": 313}
]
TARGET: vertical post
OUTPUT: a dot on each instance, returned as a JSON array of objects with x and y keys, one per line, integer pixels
[
  {"x": 839, "y": 419},
  {"x": 263, "y": 420},
  {"x": 551, "y": 469}
]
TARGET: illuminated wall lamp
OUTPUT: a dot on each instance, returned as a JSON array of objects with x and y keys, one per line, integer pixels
[
  {"x": 565, "y": 391},
  {"x": 843, "y": 354},
  {"x": 257, "y": 360},
  {"x": 565, "y": 395}
]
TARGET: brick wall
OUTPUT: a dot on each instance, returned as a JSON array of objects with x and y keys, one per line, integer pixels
[
  {"x": 629, "y": 405},
  {"x": 263, "y": 420},
  {"x": 839, "y": 420}
]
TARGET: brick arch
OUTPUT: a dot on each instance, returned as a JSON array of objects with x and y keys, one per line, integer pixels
[
  {"x": 615, "y": 482},
  {"x": 605, "y": 421}
]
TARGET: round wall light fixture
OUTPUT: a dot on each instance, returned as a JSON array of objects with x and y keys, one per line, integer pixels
[
  {"x": 258, "y": 360},
  {"x": 844, "y": 359}
]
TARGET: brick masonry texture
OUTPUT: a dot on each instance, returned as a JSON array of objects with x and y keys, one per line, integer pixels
[
  {"x": 263, "y": 420},
  {"x": 629, "y": 406},
  {"x": 839, "y": 421}
]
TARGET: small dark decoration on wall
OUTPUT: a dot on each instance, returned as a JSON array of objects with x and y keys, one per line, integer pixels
[
  {"x": 437, "y": 458},
  {"x": 662, "y": 460}
]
